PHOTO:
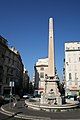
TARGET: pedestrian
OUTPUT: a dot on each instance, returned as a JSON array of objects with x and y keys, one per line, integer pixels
[{"x": 14, "y": 104}]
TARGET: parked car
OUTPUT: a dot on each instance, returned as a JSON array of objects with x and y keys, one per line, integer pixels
[{"x": 26, "y": 96}]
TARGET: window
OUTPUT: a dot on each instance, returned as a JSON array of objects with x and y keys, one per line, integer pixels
[
  {"x": 41, "y": 75},
  {"x": 11, "y": 71},
  {"x": 7, "y": 80},
  {"x": 67, "y": 48},
  {"x": 76, "y": 82},
  {"x": 7, "y": 70},
  {"x": 75, "y": 76},
  {"x": 8, "y": 60},
  {"x": 2, "y": 56},
  {"x": 70, "y": 76},
  {"x": 67, "y": 63},
  {"x": 12, "y": 62},
  {"x": 79, "y": 48},
  {"x": 42, "y": 68}
]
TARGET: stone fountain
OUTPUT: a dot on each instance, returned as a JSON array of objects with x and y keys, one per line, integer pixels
[{"x": 50, "y": 97}]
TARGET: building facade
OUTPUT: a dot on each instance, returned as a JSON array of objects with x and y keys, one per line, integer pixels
[
  {"x": 41, "y": 70},
  {"x": 25, "y": 82},
  {"x": 3, "y": 47},
  {"x": 72, "y": 68},
  {"x": 11, "y": 68}
]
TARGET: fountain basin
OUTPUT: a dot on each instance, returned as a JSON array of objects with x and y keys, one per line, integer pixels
[{"x": 47, "y": 107}]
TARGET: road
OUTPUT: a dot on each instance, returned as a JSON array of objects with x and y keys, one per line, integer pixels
[
  {"x": 51, "y": 115},
  {"x": 5, "y": 117},
  {"x": 63, "y": 115}
]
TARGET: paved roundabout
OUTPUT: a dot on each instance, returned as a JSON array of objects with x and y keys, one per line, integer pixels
[{"x": 23, "y": 112}]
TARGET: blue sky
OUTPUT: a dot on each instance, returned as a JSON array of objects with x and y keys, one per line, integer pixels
[{"x": 24, "y": 23}]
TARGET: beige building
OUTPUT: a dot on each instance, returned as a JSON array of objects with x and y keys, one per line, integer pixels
[
  {"x": 72, "y": 67},
  {"x": 12, "y": 67},
  {"x": 41, "y": 70}
]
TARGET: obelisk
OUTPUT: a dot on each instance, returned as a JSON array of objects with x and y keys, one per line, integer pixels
[
  {"x": 51, "y": 61},
  {"x": 51, "y": 87}
]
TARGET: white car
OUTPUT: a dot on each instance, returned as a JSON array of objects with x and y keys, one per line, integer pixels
[{"x": 25, "y": 96}]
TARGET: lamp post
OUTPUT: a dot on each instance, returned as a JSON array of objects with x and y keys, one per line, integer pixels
[{"x": 11, "y": 84}]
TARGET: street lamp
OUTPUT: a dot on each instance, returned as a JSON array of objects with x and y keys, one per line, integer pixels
[{"x": 11, "y": 84}]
